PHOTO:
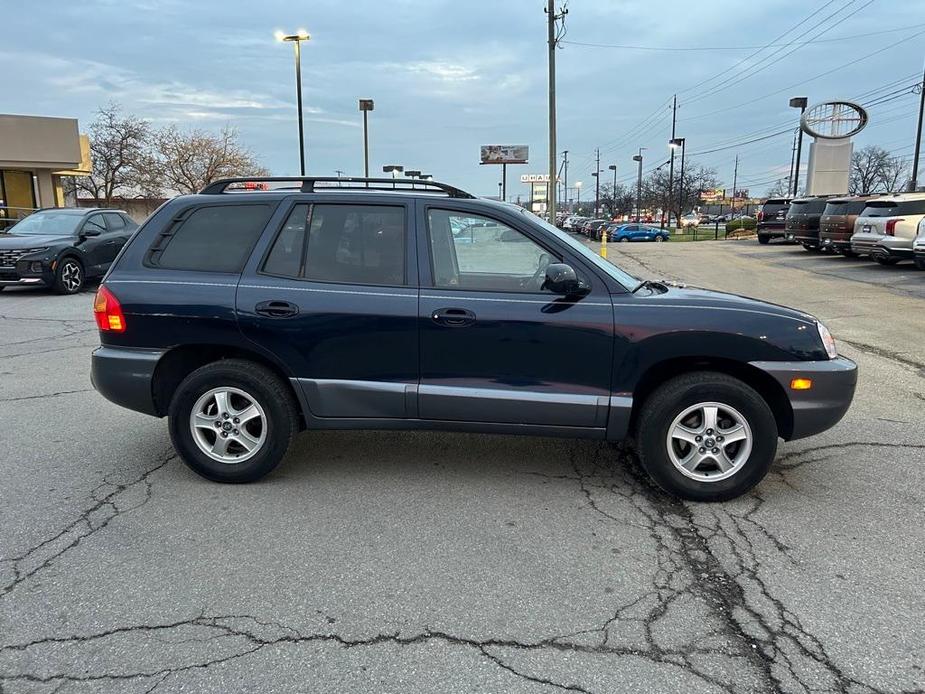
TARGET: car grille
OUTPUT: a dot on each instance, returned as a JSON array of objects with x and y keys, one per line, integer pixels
[
  {"x": 8, "y": 276},
  {"x": 8, "y": 258}
]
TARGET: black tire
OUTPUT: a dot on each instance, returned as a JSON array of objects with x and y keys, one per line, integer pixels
[
  {"x": 920, "y": 263},
  {"x": 266, "y": 389},
  {"x": 69, "y": 276},
  {"x": 624, "y": 240},
  {"x": 763, "y": 240},
  {"x": 885, "y": 261},
  {"x": 670, "y": 399},
  {"x": 848, "y": 253}
]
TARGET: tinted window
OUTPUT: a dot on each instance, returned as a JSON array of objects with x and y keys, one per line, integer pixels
[
  {"x": 115, "y": 221},
  {"x": 844, "y": 208},
  {"x": 357, "y": 244},
  {"x": 490, "y": 256},
  {"x": 285, "y": 258},
  {"x": 893, "y": 208},
  {"x": 807, "y": 206},
  {"x": 94, "y": 223},
  {"x": 217, "y": 238}
]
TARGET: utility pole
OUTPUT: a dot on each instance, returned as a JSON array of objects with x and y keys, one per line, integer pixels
[
  {"x": 340, "y": 172},
  {"x": 674, "y": 115},
  {"x": 800, "y": 103},
  {"x": 793, "y": 152},
  {"x": 914, "y": 181},
  {"x": 565, "y": 176},
  {"x": 735, "y": 179},
  {"x": 503, "y": 184},
  {"x": 597, "y": 184},
  {"x": 552, "y": 41}
]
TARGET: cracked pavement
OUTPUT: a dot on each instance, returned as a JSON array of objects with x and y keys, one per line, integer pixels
[{"x": 431, "y": 562}]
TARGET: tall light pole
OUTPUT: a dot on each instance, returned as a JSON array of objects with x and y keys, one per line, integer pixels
[
  {"x": 613, "y": 193},
  {"x": 638, "y": 158},
  {"x": 914, "y": 181},
  {"x": 297, "y": 39},
  {"x": 800, "y": 103},
  {"x": 674, "y": 144},
  {"x": 578, "y": 196},
  {"x": 366, "y": 105}
]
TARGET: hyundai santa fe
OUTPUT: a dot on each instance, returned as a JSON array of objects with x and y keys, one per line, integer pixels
[{"x": 245, "y": 317}]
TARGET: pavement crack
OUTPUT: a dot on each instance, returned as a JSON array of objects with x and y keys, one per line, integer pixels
[
  {"x": 47, "y": 395},
  {"x": 917, "y": 366},
  {"x": 111, "y": 500}
]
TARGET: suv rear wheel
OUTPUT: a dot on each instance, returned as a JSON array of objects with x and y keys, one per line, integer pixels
[
  {"x": 232, "y": 421},
  {"x": 706, "y": 436}
]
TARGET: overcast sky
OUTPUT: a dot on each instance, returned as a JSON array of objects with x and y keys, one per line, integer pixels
[{"x": 450, "y": 75}]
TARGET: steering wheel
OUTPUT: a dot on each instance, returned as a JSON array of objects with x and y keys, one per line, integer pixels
[{"x": 535, "y": 283}]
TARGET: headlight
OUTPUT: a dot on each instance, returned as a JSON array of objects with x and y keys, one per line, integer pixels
[{"x": 827, "y": 340}]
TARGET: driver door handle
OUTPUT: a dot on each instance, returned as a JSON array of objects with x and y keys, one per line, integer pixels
[
  {"x": 453, "y": 317},
  {"x": 276, "y": 309}
]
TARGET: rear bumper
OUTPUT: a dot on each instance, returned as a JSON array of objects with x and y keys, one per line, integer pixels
[
  {"x": 883, "y": 247},
  {"x": 770, "y": 230},
  {"x": 835, "y": 240},
  {"x": 822, "y": 406},
  {"x": 125, "y": 376}
]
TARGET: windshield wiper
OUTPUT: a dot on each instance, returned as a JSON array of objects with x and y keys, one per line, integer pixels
[{"x": 651, "y": 284}]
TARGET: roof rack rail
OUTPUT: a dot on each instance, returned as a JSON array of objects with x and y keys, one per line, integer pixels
[{"x": 353, "y": 183}]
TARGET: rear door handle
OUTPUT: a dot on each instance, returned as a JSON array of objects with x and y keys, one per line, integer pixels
[
  {"x": 276, "y": 309},
  {"x": 453, "y": 317}
]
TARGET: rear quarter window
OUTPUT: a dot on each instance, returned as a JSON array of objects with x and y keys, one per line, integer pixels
[{"x": 214, "y": 238}]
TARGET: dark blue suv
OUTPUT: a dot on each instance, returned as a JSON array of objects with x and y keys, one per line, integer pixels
[{"x": 245, "y": 316}]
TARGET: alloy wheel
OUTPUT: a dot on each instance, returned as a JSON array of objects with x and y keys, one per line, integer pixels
[
  {"x": 228, "y": 425},
  {"x": 709, "y": 441},
  {"x": 71, "y": 276}
]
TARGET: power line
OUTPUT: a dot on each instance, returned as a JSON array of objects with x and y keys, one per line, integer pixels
[
  {"x": 764, "y": 47},
  {"x": 802, "y": 82},
  {"x": 739, "y": 48},
  {"x": 753, "y": 70}
]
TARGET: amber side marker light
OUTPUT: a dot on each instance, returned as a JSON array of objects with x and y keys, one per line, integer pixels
[
  {"x": 108, "y": 312},
  {"x": 801, "y": 384}
]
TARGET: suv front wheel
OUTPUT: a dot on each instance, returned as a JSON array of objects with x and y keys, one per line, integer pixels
[
  {"x": 706, "y": 436},
  {"x": 232, "y": 420}
]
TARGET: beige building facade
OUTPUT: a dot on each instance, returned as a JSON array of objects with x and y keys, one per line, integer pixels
[{"x": 35, "y": 152}]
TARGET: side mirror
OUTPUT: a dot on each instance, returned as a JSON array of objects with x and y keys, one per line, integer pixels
[
  {"x": 562, "y": 279},
  {"x": 87, "y": 232}
]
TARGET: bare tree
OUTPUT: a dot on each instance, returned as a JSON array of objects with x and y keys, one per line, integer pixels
[
  {"x": 894, "y": 175},
  {"x": 780, "y": 189},
  {"x": 186, "y": 161},
  {"x": 617, "y": 201},
  {"x": 696, "y": 179},
  {"x": 117, "y": 147},
  {"x": 867, "y": 166}
]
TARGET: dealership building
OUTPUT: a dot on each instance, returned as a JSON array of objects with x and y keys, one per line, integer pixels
[{"x": 35, "y": 152}]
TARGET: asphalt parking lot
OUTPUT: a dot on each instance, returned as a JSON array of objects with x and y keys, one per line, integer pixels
[{"x": 430, "y": 562}]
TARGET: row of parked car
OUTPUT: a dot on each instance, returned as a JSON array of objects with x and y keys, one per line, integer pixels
[
  {"x": 886, "y": 228},
  {"x": 616, "y": 231}
]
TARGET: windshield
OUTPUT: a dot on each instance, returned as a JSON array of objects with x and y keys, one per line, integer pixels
[
  {"x": 844, "y": 208},
  {"x": 624, "y": 278},
  {"x": 48, "y": 224}
]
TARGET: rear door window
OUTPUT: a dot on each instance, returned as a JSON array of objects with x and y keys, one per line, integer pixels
[
  {"x": 351, "y": 244},
  {"x": 114, "y": 221},
  {"x": 214, "y": 238}
]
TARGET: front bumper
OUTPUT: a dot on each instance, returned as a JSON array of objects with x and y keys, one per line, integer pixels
[
  {"x": 12, "y": 277},
  {"x": 822, "y": 406},
  {"x": 125, "y": 376}
]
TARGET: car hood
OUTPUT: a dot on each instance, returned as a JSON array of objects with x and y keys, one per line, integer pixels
[
  {"x": 16, "y": 241},
  {"x": 708, "y": 298}
]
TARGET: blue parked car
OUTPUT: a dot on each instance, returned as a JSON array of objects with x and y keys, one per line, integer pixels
[{"x": 635, "y": 232}]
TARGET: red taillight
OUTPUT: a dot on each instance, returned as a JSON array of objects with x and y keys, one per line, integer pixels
[
  {"x": 760, "y": 215},
  {"x": 108, "y": 312},
  {"x": 891, "y": 226}
]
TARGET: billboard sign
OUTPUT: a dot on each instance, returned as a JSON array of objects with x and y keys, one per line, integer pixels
[
  {"x": 504, "y": 154},
  {"x": 712, "y": 194}
]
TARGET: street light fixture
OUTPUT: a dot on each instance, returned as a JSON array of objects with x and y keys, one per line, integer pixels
[
  {"x": 638, "y": 158},
  {"x": 366, "y": 105},
  {"x": 800, "y": 103},
  {"x": 410, "y": 173},
  {"x": 674, "y": 144},
  {"x": 297, "y": 39},
  {"x": 393, "y": 169}
]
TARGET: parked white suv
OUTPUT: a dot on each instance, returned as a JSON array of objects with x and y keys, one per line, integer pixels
[
  {"x": 918, "y": 246},
  {"x": 887, "y": 227}
]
